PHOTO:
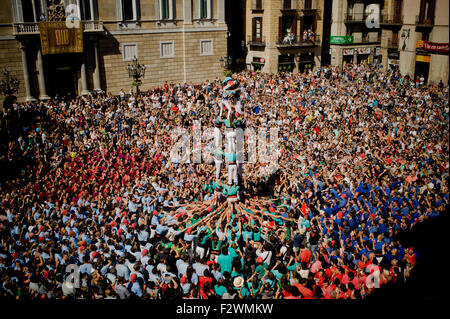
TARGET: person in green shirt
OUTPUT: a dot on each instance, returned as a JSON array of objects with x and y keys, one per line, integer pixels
[
  {"x": 220, "y": 288},
  {"x": 216, "y": 245},
  {"x": 261, "y": 268},
  {"x": 225, "y": 261}
]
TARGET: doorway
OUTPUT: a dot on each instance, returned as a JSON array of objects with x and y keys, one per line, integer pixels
[
  {"x": 62, "y": 74},
  {"x": 422, "y": 69}
]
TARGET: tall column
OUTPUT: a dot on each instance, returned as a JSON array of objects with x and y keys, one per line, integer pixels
[
  {"x": 84, "y": 90},
  {"x": 79, "y": 9},
  {"x": 91, "y": 6},
  {"x": 187, "y": 11},
  {"x": 41, "y": 77},
  {"x": 96, "y": 75},
  {"x": 221, "y": 11},
  {"x": 26, "y": 76}
]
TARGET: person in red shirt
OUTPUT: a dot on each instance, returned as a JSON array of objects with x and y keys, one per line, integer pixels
[
  {"x": 305, "y": 255},
  {"x": 202, "y": 280}
]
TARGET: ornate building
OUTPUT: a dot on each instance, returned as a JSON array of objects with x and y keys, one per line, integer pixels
[
  {"x": 79, "y": 46},
  {"x": 283, "y": 35}
]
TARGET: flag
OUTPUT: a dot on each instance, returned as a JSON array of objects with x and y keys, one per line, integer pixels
[{"x": 62, "y": 37}]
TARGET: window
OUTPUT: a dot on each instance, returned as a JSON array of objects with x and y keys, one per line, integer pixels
[
  {"x": 257, "y": 29},
  {"x": 128, "y": 10},
  {"x": 308, "y": 4},
  {"x": 28, "y": 14},
  {"x": 26, "y": 10},
  {"x": 258, "y": 4},
  {"x": 87, "y": 9},
  {"x": 206, "y": 47},
  {"x": 167, "y": 49},
  {"x": 129, "y": 51},
  {"x": 427, "y": 11},
  {"x": 166, "y": 9},
  {"x": 205, "y": 9},
  {"x": 287, "y": 4}
]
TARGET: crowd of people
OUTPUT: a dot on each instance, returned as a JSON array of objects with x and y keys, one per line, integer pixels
[{"x": 91, "y": 205}]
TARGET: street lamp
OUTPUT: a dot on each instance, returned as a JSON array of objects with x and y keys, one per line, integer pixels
[
  {"x": 405, "y": 36},
  {"x": 136, "y": 71},
  {"x": 9, "y": 85},
  {"x": 225, "y": 62}
]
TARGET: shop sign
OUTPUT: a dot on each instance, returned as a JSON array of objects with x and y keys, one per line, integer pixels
[{"x": 347, "y": 52}]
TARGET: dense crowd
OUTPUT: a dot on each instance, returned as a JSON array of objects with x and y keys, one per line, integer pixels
[{"x": 363, "y": 156}]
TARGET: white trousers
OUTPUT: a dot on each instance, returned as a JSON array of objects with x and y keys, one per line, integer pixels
[
  {"x": 238, "y": 106},
  {"x": 218, "y": 168},
  {"x": 200, "y": 251},
  {"x": 225, "y": 103},
  {"x": 232, "y": 174}
]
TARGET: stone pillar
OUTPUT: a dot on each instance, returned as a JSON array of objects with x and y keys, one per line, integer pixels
[
  {"x": 355, "y": 56},
  {"x": 96, "y": 74},
  {"x": 26, "y": 76},
  {"x": 41, "y": 77},
  {"x": 91, "y": 6},
  {"x": 84, "y": 90},
  {"x": 187, "y": 11},
  {"x": 78, "y": 9},
  {"x": 221, "y": 11}
]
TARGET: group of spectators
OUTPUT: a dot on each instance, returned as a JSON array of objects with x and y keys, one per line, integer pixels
[{"x": 88, "y": 185}]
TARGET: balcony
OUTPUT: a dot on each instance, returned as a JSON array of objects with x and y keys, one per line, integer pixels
[
  {"x": 30, "y": 28},
  {"x": 92, "y": 26},
  {"x": 256, "y": 42},
  {"x": 310, "y": 11},
  {"x": 391, "y": 19},
  {"x": 297, "y": 42},
  {"x": 356, "y": 18},
  {"x": 368, "y": 39},
  {"x": 423, "y": 22},
  {"x": 26, "y": 28}
]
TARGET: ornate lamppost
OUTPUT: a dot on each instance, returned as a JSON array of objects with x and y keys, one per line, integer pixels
[
  {"x": 8, "y": 86},
  {"x": 136, "y": 71},
  {"x": 225, "y": 63}
]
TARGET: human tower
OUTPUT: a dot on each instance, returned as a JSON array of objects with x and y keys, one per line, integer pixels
[{"x": 229, "y": 200}]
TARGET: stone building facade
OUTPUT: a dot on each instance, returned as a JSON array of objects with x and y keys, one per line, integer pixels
[
  {"x": 176, "y": 40},
  {"x": 406, "y": 25},
  {"x": 277, "y": 37},
  {"x": 397, "y": 40},
  {"x": 352, "y": 40}
]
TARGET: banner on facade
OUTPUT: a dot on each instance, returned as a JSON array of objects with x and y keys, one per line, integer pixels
[
  {"x": 423, "y": 58},
  {"x": 347, "y": 52},
  {"x": 346, "y": 39},
  {"x": 433, "y": 46},
  {"x": 57, "y": 38},
  {"x": 363, "y": 50}
]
